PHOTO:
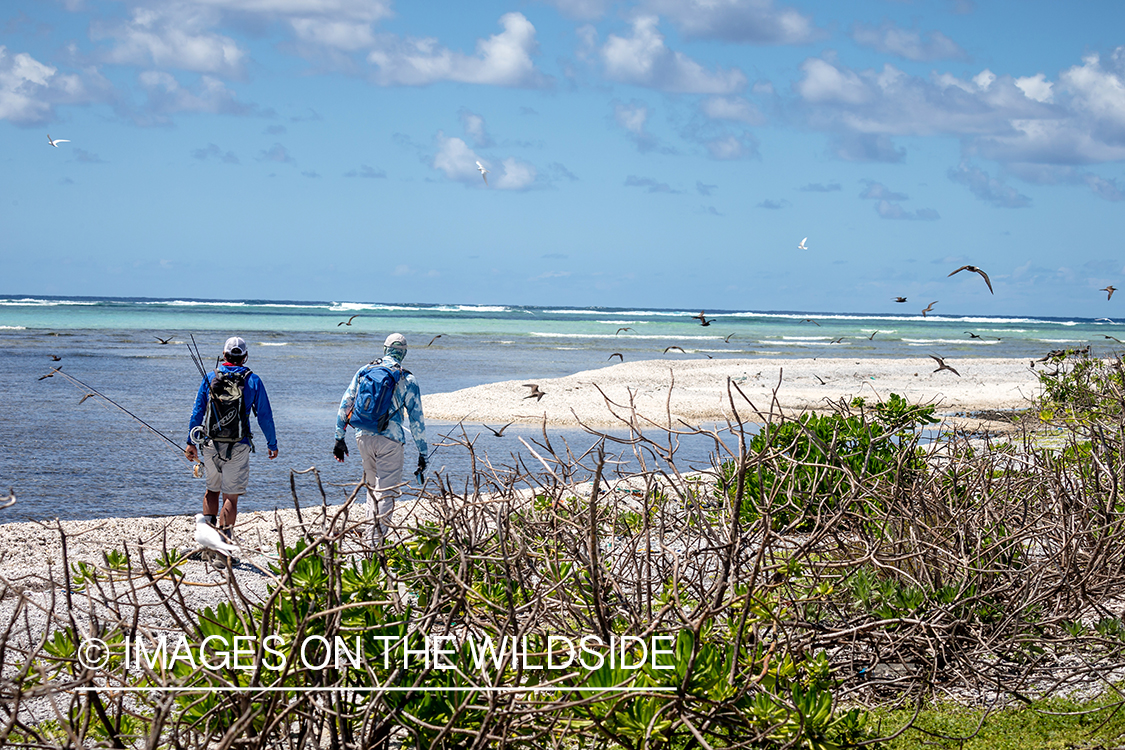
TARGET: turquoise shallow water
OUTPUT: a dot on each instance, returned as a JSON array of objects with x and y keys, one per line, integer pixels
[{"x": 89, "y": 460}]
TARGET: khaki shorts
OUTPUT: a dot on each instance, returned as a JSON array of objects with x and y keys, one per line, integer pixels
[{"x": 229, "y": 476}]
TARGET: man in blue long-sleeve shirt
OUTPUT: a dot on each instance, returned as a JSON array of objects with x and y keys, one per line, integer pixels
[{"x": 225, "y": 451}]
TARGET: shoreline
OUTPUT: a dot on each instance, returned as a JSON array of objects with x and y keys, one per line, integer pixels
[{"x": 694, "y": 390}]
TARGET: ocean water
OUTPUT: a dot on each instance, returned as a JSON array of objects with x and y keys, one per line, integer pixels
[{"x": 91, "y": 460}]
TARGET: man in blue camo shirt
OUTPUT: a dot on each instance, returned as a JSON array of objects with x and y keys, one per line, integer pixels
[{"x": 382, "y": 450}]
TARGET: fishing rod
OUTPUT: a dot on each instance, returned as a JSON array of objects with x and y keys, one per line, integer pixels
[{"x": 94, "y": 391}]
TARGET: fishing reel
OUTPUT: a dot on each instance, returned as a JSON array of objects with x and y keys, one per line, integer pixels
[{"x": 197, "y": 437}]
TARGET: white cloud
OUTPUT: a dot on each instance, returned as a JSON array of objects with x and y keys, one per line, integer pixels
[
  {"x": 175, "y": 37},
  {"x": 475, "y": 128},
  {"x": 824, "y": 83},
  {"x": 503, "y": 59},
  {"x": 743, "y": 21},
  {"x": 632, "y": 117},
  {"x": 890, "y": 39},
  {"x": 348, "y": 36},
  {"x": 29, "y": 89},
  {"x": 733, "y": 108},
  {"x": 1036, "y": 87},
  {"x": 459, "y": 163},
  {"x": 731, "y": 147},
  {"x": 987, "y": 188},
  {"x": 643, "y": 59},
  {"x": 516, "y": 175},
  {"x": 1099, "y": 94},
  {"x": 166, "y": 96}
]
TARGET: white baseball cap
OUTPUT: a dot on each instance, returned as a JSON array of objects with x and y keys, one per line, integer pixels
[{"x": 235, "y": 346}]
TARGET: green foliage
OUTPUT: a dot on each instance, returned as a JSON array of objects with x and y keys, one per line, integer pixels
[
  {"x": 115, "y": 559},
  {"x": 1081, "y": 389},
  {"x": 811, "y": 464}
]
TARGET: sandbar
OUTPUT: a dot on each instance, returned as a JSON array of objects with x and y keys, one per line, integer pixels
[{"x": 709, "y": 390}]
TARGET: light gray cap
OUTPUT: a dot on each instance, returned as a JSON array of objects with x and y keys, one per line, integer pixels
[{"x": 235, "y": 346}]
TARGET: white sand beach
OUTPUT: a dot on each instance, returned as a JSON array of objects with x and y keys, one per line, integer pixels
[{"x": 699, "y": 389}]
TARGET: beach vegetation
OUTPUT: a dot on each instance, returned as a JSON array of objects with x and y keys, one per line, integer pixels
[{"x": 832, "y": 581}]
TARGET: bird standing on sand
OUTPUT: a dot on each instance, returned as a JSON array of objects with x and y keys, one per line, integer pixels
[
  {"x": 1111, "y": 289},
  {"x": 347, "y": 322},
  {"x": 500, "y": 432},
  {"x": 209, "y": 537},
  {"x": 676, "y": 348},
  {"x": 900, "y": 299},
  {"x": 803, "y": 246},
  {"x": 535, "y": 392},
  {"x": 616, "y": 354},
  {"x": 943, "y": 366},
  {"x": 928, "y": 308},
  {"x": 974, "y": 269},
  {"x": 56, "y": 143},
  {"x": 483, "y": 172}
]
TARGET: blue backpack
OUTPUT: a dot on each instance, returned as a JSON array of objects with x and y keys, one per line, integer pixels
[{"x": 374, "y": 394}]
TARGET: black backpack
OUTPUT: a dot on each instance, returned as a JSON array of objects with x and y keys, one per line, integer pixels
[{"x": 227, "y": 420}]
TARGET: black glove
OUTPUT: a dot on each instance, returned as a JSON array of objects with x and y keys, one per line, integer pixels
[
  {"x": 340, "y": 449},
  {"x": 421, "y": 464}
]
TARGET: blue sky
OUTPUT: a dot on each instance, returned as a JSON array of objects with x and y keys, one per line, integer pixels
[{"x": 667, "y": 153}]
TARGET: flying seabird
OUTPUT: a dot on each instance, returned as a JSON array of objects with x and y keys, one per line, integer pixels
[
  {"x": 10, "y": 500},
  {"x": 727, "y": 339},
  {"x": 701, "y": 318},
  {"x": 943, "y": 366},
  {"x": 164, "y": 341},
  {"x": 535, "y": 392},
  {"x": 974, "y": 269},
  {"x": 88, "y": 395},
  {"x": 55, "y": 358},
  {"x": 900, "y": 299},
  {"x": 810, "y": 320},
  {"x": 1111, "y": 289},
  {"x": 435, "y": 338},
  {"x": 616, "y": 354},
  {"x": 1116, "y": 339},
  {"x": 676, "y": 348},
  {"x": 619, "y": 330},
  {"x": 837, "y": 341},
  {"x": 930, "y": 307},
  {"x": 973, "y": 335},
  {"x": 483, "y": 172},
  {"x": 51, "y": 374},
  {"x": 803, "y": 246},
  {"x": 208, "y": 536},
  {"x": 347, "y": 322},
  {"x": 56, "y": 143},
  {"x": 500, "y": 432},
  {"x": 872, "y": 336}
]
